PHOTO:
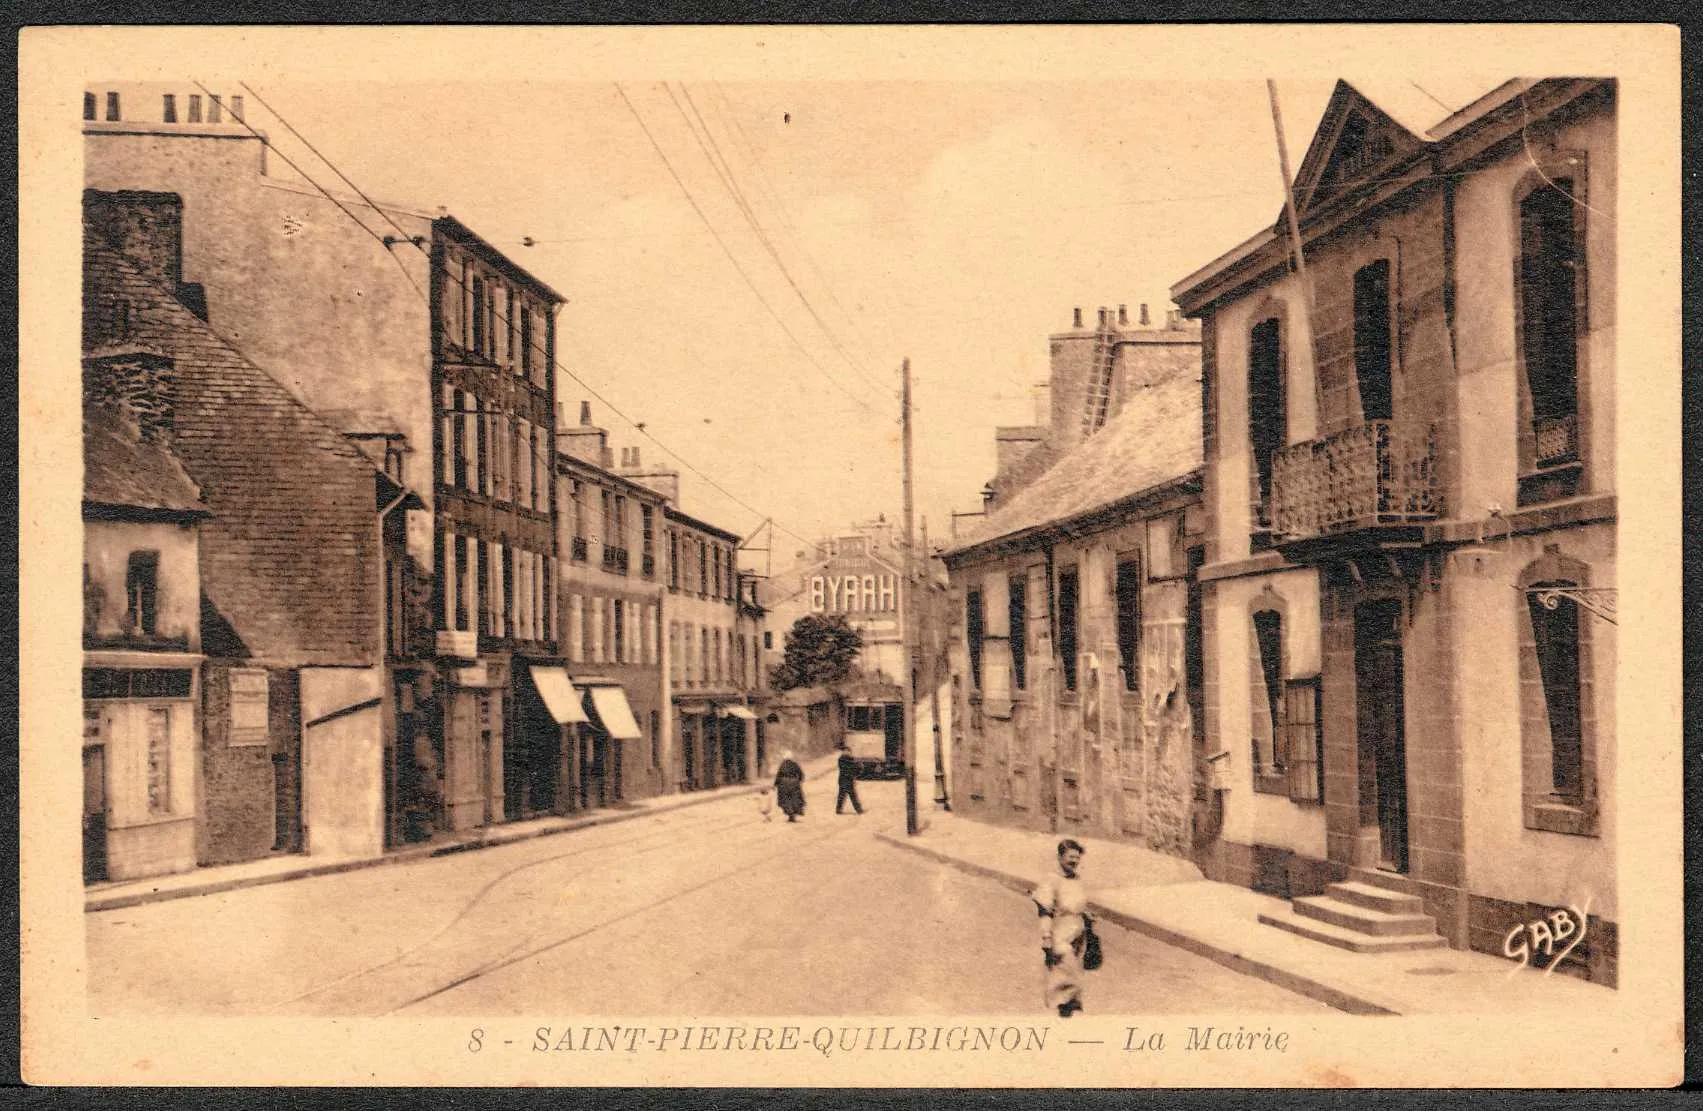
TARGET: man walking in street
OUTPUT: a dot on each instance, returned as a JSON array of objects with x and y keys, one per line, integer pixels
[{"x": 848, "y": 783}]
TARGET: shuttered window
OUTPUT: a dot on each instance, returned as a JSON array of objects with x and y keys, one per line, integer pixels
[{"x": 1302, "y": 741}]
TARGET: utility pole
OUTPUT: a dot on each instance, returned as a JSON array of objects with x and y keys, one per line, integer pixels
[
  {"x": 1289, "y": 207},
  {"x": 907, "y": 600}
]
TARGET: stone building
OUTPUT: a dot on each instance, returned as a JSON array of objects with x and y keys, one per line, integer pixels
[
  {"x": 141, "y": 640},
  {"x": 611, "y": 575},
  {"x": 290, "y": 611},
  {"x": 857, "y": 575},
  {"x": 432, "y": 352},
  {"x": 1410, "y": 527},
  {"x": 1075, "y": 685},
  {"x": 711, "y": 655}
]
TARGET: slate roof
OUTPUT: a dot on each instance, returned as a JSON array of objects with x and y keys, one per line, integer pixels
[
  {"x": 1152, "y": 442},
  {"x": 290, "y": 554},
  {"x": 121, "y": 469}
]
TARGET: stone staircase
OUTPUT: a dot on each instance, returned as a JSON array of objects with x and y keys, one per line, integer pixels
[{"x": 1370, "y": 912}]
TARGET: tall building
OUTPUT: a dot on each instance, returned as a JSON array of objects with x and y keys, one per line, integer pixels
[
  {"x": 431, "y": 351},
  {"x": 856, "y": 575},
  {"x": 1411, "y": 526}
]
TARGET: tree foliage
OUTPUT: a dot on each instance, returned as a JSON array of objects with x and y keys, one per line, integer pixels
[{"x": 820, "y": 650}]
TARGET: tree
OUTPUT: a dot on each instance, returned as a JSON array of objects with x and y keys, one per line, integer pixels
[{"x": 820, "y": 650}]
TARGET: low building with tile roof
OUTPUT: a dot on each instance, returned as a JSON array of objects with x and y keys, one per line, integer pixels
[
  {"x": 291, "y": 607},
  {"x": 1075, "y": 677}
]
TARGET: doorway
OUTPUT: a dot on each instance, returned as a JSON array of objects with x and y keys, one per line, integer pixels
[{"x": 1380, "y": 715}]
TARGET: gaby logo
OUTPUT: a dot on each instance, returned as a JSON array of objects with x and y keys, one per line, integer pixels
[{"x": 1564, "y": 928}]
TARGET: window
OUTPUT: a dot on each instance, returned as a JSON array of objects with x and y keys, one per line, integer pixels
[
  {"x": 194, "y": 108},
  {"x": 1302, "y": 740},
  {"x": 703, "y": 569},
  {"x": 88, "y": 106},
  {"x": 608, "y": 502},
  {"x": 482, "y": 445},
  {"x": 620, "y": 640},
  {"x": 1372, "y": 339},
  {"x": 1127, "y": 587},
  {"x": 460, "y": 577},
  {"x": 1267, "y": 425},
  {"x": 170, "y": 108},
  {"x": 768, "y": 640},
  {"x": 1555, "y": 643},
  {"x": 526, "y": 342},
  {"x": 510, "y": 623},
  {"x": 647, "y": 522},
  {"x": 704, "y": 654},
  {"x": 673, "y": 560},
  {"x": 715, "y": 558},
  {"x": 973, "y": 632},
  {"x": 1069, "y": 590},
  {"x": 509, "y": 322},
  {"x": 655, "y": 739},
  {"x": 479, "y": 316},
  {"x": 1017, "y": 592},
  {"x": 1549, "y": 299},
  {"x": 248, "y": 707},
  {"x": 213, "y": 107},
  {"x": 458, "y": 443},
  {"x": 141, "y": 593},
  {"x": 1265, "y": 700},
  {"x": 112, "y": 106}
]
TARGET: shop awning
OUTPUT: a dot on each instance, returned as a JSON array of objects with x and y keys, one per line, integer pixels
[
  {"x": 613, "y": 713},
  {"x": 559, "y": 695},
  {"x": 737, "y": 711}
]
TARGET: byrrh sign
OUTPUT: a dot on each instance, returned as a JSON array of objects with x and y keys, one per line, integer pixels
[{"x": 854, "y": 593}]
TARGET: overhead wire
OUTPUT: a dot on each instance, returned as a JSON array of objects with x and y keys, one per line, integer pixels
[
  {"x": 444, "y": 272},
  {"x": 728, "y": 251},
  {"x": 729, "y": 180}
]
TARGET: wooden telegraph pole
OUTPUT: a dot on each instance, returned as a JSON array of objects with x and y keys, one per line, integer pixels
[{"x": 907, "y": 602}]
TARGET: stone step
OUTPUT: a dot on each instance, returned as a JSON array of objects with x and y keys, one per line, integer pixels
[
  {"x": 1389, "y": 881},
  {"x": 1373, "y": 897},
  {"x": 1362, "y": 920},
  {"x": 1351, "y": 940}
]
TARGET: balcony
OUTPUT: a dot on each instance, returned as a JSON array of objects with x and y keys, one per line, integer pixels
[{"x": 1372, "y": 482}]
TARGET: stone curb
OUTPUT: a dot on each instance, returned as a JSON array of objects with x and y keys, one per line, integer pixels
[
  {"x": 423, "y": 852},
  {"x": 1328, "y": 994}
]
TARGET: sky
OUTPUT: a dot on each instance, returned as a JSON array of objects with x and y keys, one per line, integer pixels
[{"x": 747, "y": 263}]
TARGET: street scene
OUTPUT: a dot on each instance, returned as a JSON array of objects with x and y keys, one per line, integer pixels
[
  {"x": 703, "y": 911},
  {"x": 764, "y": 545}
]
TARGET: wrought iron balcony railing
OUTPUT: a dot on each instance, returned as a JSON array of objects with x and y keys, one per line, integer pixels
[{"x": 1378, "y": 474}]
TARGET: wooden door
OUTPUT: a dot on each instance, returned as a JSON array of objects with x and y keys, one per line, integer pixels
[{"x": 1380, "y": 712}]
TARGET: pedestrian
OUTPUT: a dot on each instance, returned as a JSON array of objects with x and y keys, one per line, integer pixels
[
  {"x": 1062, "y": 902},
  {"x": 789, "y": 787},
  {"x": 848, "y": 783}
]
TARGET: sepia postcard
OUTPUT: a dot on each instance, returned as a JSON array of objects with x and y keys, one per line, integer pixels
[{"x": 1095, "y": 556}]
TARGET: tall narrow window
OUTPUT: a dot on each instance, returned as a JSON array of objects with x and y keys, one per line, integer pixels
[
  {"x": 673, "y": 559},
  {"x": 1555, "y": 632},
  {"x": 1267, "y": 424},
  {"x": 1266, "y": 710},
  {"x": 1018, "y": 605},
  {"x": 170, "y": 108},
  {"x": 88, "y": 106},
  {"x": 194, "y": 108},
  {"x": 478, "y": 316},
  {"x": 159, "y": 760},
  {"x": 112, "y": 106},
  {"x": 973, "y": 632},
  {"x": 647, "y": 520},
  {"x": 703, "y": 569},
  {"x": 1128, "y": 589},
  {"x": 526, "y": 358},
  {"x": 482, "y": 445},
  {"x": 578, "y": 498},
  {"x": 1549, "y": 320},
  {"x": 1301, "y": 740},
  {"x": 458, "y": 444},
  {"x": 460, "y": 578},
  {"x": 141, "y": 592},
  {"x": 608, "y": 501},
  {"x": 1372, "y": 339},
  {"x": 214, "y": 109},
  {"x": 1069, "y": 591},
  {"x": 620, "y": 645}
]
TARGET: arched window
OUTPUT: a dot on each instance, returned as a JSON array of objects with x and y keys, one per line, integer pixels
[
  {"x": 1557, "y": 712},
  {"x": 1550, "y": 319},
  {"x": 1265, "y": 699}
]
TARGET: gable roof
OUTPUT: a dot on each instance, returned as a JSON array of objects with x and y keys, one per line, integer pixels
[
  {"x": 121, "y": 469},
  {"x": 1355, "y": 139},
  {"x": 1153, "y": 442}
]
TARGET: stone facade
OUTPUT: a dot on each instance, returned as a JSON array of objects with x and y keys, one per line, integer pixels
[{"x": 1413, "y": 613}]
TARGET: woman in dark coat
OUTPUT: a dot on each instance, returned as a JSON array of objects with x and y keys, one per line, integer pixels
[{"x": 789, "y": 787}]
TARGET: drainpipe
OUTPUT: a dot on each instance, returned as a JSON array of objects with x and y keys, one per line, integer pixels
[{"x": 387, "y": 704}]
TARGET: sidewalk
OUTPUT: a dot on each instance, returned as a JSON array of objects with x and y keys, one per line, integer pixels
[
  {"x": 276, "y": 869},
  {"x": 1168, "y": 899}
]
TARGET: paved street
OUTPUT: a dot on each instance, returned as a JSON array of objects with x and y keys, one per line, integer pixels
[{"x": 707, "y": 910}]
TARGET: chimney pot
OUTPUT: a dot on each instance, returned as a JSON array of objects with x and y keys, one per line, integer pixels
[
  {"x": 1076, "y": 321},
  {"x": 585, "y": 413},
  {"x": 1144, "y": 320},
  {"x": 1123, "y": 315}
]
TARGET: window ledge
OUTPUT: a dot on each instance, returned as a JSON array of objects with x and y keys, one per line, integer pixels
[
  {"x": 1554, "y": 816},
  {"x": 1271, "y": 783}
]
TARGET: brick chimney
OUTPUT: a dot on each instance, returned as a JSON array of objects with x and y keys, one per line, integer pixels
[{"x": 137, "y": 381}]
